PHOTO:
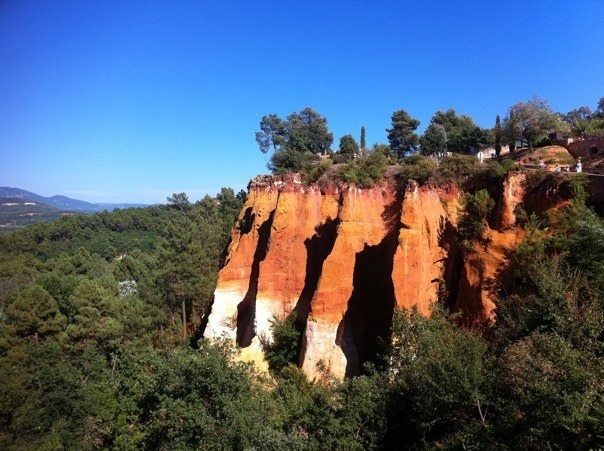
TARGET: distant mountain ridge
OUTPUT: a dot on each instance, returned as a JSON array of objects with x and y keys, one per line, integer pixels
[{"x": 63, "y": 202}]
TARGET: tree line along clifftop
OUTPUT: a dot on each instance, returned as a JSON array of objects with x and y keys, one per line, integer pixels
[{"x": 302, "y": 141}]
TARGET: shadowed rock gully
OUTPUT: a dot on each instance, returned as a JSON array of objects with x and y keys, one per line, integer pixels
[
  {"x": 246, "y": 310},
  {"x": 318, "y": 248},
  {"x": 368, "y": 319}
]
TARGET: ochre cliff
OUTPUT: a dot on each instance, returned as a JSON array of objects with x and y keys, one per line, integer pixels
[
  {"x": 428, "y": 218},
  {"x": 301, "y": 235},
  {"x": 237, "y": 285},
  {"x": 343, "y": 258},
  {"x": 355, "y": 292}
]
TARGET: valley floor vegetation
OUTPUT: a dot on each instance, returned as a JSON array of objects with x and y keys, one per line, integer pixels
[{"x": 92, "y": 352}]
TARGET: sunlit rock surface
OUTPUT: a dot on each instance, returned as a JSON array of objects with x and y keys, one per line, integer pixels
[{"x": 342, "y": 258}]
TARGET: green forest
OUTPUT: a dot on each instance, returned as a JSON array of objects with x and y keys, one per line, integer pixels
[{"x": 94, "y": 355}]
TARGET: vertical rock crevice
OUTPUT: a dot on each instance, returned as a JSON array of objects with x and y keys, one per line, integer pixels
[
  {"x": 246, "y": 309},
  {"x": 246, "y": 222},
  {"x": 326, "y": 234},
  {"x": 453, "y": 262},
  {"x": 367, "y": 323},
  {"x": 318, "y": 248},
  {"x": 368, "y": 319}
]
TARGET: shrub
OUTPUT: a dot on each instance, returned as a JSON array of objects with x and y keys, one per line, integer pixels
[
  {"x": 543, "y": 141},
  {"x": 457, "y": 168},
  {"x": 418, "y": 168},
  {"x": 495, "y": 169},
  {"x": 436, "y": 372},
  {"x": 339, "y": 158},
  {"x": 521, "y": 215},
  {"x": 283, "y": 349},
  {"x": 509, "y": 165},
  {"x": 474, "y": 217},
  {"x": 384, "y": 149},
  {"x": 365, "y": 171},
  {"x": 577, "y": 184},
  {"x": 317, "y": 170},
  {"x": 288, "y": 160},
  {"x": 554, "y": 387}
]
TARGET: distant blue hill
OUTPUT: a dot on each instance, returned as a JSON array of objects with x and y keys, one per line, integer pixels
[{"x": 62, "y": 202}]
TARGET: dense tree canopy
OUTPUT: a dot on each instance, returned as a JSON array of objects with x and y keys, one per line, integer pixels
[
  {"x": 434, "y": 140},
  {"x": 307, "y": 131},
  {"x": 87, "y": 305},
  {"x": 463, "y": 135},
  {"x": 527, "y": 121},
  {"x": 294, "y": 140},
  {"x": 583, "y": 121},
  {"x": 348, "y": 147}
]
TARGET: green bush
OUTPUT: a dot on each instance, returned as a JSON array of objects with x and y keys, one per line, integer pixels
[
  {"x": 555, "y": 391},
  {"x": 418, "y": 168},
  {"x": 577, "y": 184},
  {"x": 474, "y": 217},
  {"x": 521, "y": 215},
  {"x": 496, "y": 170},
  {"x": 283, "y": 349},
  {"x": 543, "y": 141},
  {"x": 457, "y": 168},
  {"x": 342, "y": 158},
  {"x": 509, "y": 165},
  {"x": 290, "y": 160},
  {"x": 436, "y": 371},
  {"x": 384, "y": 149},
  {"x": 365, "y": 171},
  {"x": 317, "y": 170}
]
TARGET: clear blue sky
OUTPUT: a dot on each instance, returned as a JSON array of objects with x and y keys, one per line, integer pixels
[{"x": 124, "y": 101}]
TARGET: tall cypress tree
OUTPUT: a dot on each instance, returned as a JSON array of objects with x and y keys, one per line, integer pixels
[
  {"x": 497, "y": 133},
  {"x": 363, "y": 143}
]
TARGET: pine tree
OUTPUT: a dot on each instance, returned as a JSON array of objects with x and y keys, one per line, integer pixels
[
  {"x": 401, "y": 136},
  {"x": 33, "y": 314},
  {"x": 179, "y": 250}
]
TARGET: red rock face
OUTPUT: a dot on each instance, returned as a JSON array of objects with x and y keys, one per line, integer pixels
[
  {"x": 237, "y": 281},
  {"x": 352, "y": 292},
  {"x": 512, "y": 195},
  {"x": 301, "y": 235},
  {"x": 343, "y": 258},
  {"x": 428, "y": 220}
]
